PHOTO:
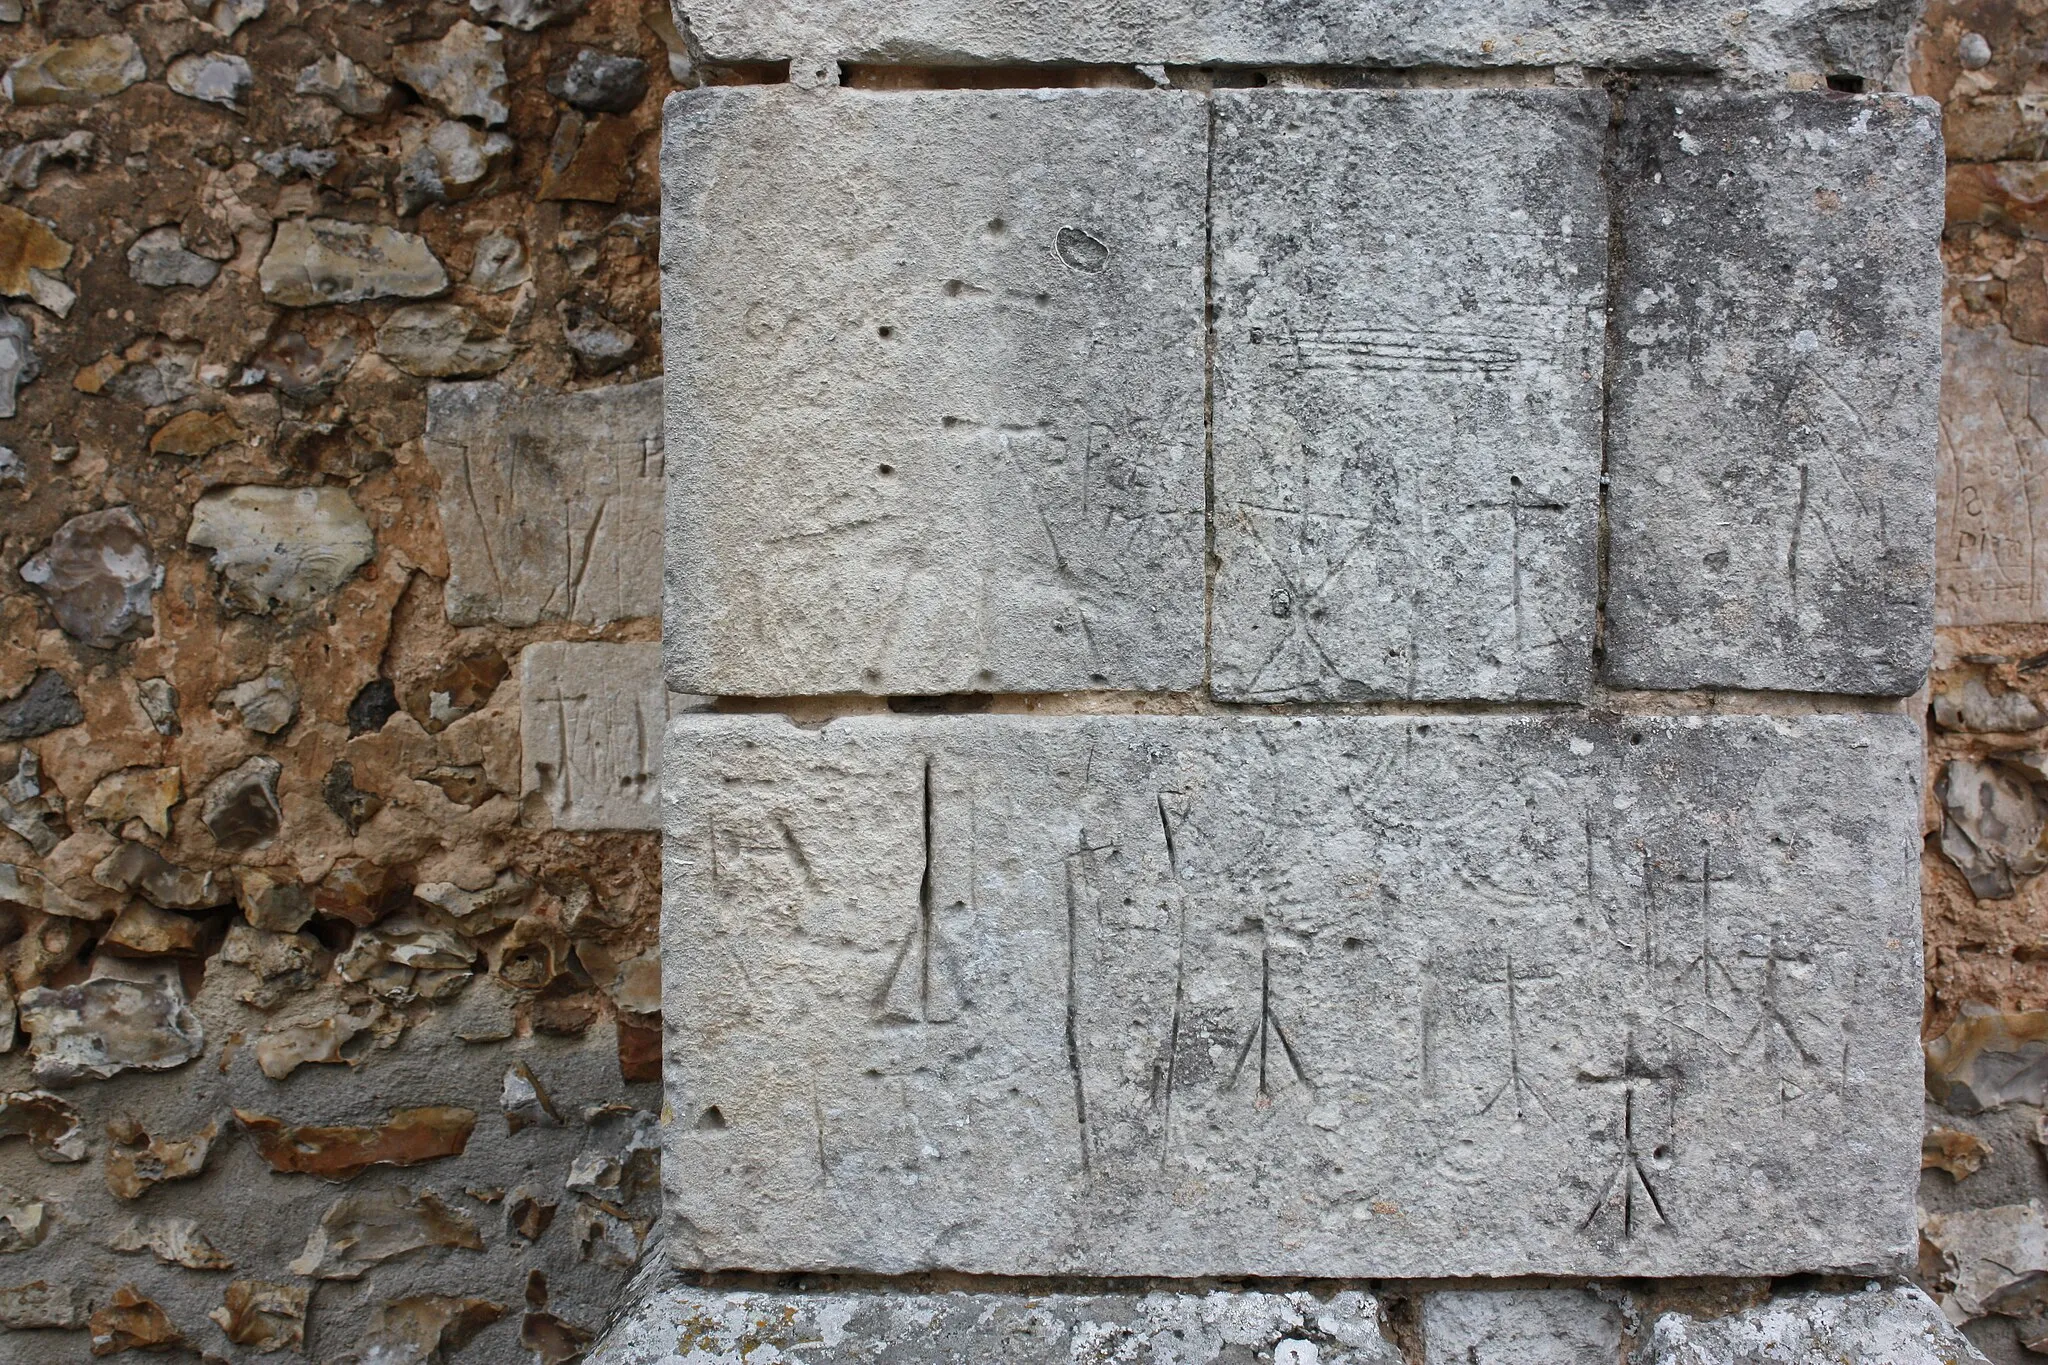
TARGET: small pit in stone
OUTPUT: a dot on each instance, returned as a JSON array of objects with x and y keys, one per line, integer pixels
[{"x": 1081, "y": 250}]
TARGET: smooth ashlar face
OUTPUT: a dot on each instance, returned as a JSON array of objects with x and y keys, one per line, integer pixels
[
  {"x": 1407, "y": 393},
  {"x": 935, "y": 391},
  {"x": 1329, "y": 996}
]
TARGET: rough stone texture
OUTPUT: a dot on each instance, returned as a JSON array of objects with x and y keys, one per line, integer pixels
[
  {"x": 1520, "y": 1327},
  {"x": 709, "y": 1326},
  {"x": 324, "y": 261},
  {"x": 1330, "y": 996},
  {"x": 591, "y": 717},
  {"x": 1772, "y": 430},
  {"x": 934, "y": 442},
  {"x": 280, "y": 548},
  {"x": 1994, "y": 479},
  {"x": 153, "y": 396},
  {"x": 99, "y": 577},
  {"x": 1809, "y": 35},
  {"x": 1407, "y": 440},
  {"x": 1880, "y": 1326},
  {"x": 551, "y": 502}
]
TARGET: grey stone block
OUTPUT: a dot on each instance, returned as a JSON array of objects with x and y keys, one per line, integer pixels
[
  {"x": 711, "y": 1326},
  {"x": 590, "y": 724},
  {"x": 1993, "y": 504},
  {"x": 935, "y": 390},
  {"x": 551, "y": 502},
  {"x": 1777, "y": 359},
  {"x": 1410, "y": 329},
  {"x": 1520, "y": 1327},
  {"x": 1803, "y": 35},
  {"x": 1895, "y": 1325},
  {"x": 1331, "y": 996}
]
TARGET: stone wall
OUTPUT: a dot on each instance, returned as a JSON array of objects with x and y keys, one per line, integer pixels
[
  {"x": 331, "y": 428},
  {"x": 1401, "y": 569},
  {"x": 350, "y": 775}
]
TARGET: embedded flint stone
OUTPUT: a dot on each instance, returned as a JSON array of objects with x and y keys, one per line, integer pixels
[
  {"x": 934, "y": 442},
  {"x": 239, "y": 808},
  {"x": 110, "y": 1024},
  {"x": 1407, "y": 441},
  {"x": 1772, "y": 423},
  {"x": 99, "y": 577},
  {"x": 1444, "y": 996}
]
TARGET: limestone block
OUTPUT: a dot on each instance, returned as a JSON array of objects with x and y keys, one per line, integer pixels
[
  {"x": 1993, "y": 507},
  {"x": 590, "y": 724},
  {"x": 942, "y": 432},
  {"x": 1409, "y": 336},
  {"x": 1520, "y": 1327},
  {"x": 719, "y": 1327},
  {"x": 1128, "y": 995},
  {"x": 551, "y": 502},
  {"x": 1803, "y": 35},
  {"x": 1777, "y": 358},
  {"x": 1895, "y": 1325}
]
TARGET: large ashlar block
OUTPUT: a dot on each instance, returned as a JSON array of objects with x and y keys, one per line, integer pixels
[
  {"x": 1799, "y": 35},
  {"x": 591, "y": 718},
  {"x": 552, "y": 502},
  {"x": 935, "y": 368},
  {"x": 1324, "y": 996},
  {"x": 1777, "y": 362},
  {"x": 1410, "y": 328}
]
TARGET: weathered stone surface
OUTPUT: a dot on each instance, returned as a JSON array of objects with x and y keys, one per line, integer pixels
[
  {"x": 448, "y": 162},
  {"x": 1333, "y": 996},
  {"x": 590, "y": 159},
  {"x": 590, "y": 724},
  {"x": 1808, "y": 35},
  {"x": 75, "y": 71},
  {"x": 1771, "y": 430},
  {"x": 363, "y": 1230},
  {"x": 130, "y": 1322},
  {"x": 1988, "y": 1059},
  {"x": 269, "y": 1317},
  {"x": 215, "y": 77},
  {"x": 461, "y": 73},
  {"x": 1969, "y": 705},
  {"x": 551, "y": 502},
  {"x": 107, "y": 1025},
  {"x": 1960, "y": 1154},
  {"x": 934, "y": 442},
  {"x": 344, "y": 1151},
  {"x": 528, "y": 14},
  {"x": 27, "y": 808},
  {"x": 158, "y": 258},
  {"x": 1881, "y": 1326},
  {"x": 30, "y": 257},
  {"x": 25, "y": 1307},
  {"x": 239, "y": 808},
  {"x": 1993, "y": 507},
  {"x": 266, "y": 703},
  {"x": 600, "y": 82},
  {"x": 420, "y": 1327},
  {"x": 49, "y": 702},
  {"x": 353, "y": 89},
  {"x": 281, "y": 548},
  {"x": 144, "y": 794},
  {"x": 443, "y": 341},
  {"x": 1519, "y": 1327},
  {"x": 726, "y": 1327},
  {"x": 1993, "y": 820},
  {"x": 18, "y": 363},
  {"x": 1407, "y": 441},
  {"x": 138, "y": 1162},
  {"x": 99, "y": 577},
  {"x": 173, "y": 1241},
  {"x": 48, "y": 1122},
  {"x": 318, "y": 261}
]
